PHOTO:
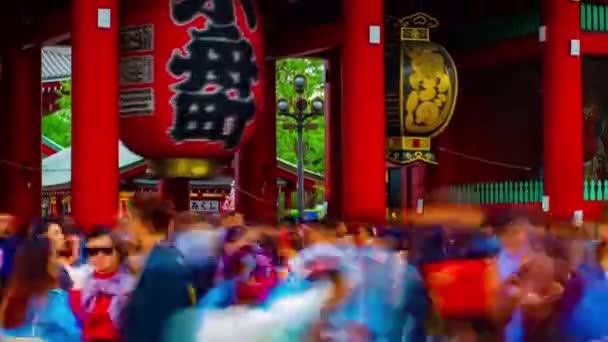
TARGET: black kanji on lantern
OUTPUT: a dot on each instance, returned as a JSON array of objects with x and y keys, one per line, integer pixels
[{"x": 214, "y": 101}]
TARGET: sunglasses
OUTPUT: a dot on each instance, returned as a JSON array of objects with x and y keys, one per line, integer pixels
[{"x": 99, "y": 250}]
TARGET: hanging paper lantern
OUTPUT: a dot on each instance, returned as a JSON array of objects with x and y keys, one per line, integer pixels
[
  {"x": 190, "y": 81},
  {"x": 422, "y": 80}
]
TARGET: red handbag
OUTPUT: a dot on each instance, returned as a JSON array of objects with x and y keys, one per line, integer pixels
[{"x": 462, "y": 289}]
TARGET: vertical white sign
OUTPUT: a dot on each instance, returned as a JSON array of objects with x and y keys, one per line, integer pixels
[
  {"x": 575, "y": 47},
  {"x": 578, "y": 218},
  {"x": 542, "y": 34},
  {"x": 104, "y": 18},
  {"x": 420, "y": 206},
  {"x": 545, "y": 204},
  {"x": 374, "y": 34}
]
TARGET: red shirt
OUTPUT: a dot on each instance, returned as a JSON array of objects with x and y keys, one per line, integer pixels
[{"x": 97, "y": 324}]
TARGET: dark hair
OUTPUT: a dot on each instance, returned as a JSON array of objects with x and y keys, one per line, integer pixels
[
  {"x": 153, "y": 211},
  {"x": 502, "y": 219},
  {"x": 30, "y": 277},
  {"x": 117, "y": 242},
  {"x": 269, "y": 244},
  {"x": 40, "y": 227},
  {"x": 234, "y": 233}
]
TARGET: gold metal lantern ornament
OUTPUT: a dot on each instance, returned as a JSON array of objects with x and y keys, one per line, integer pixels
[{"x": 427, "y": 89}]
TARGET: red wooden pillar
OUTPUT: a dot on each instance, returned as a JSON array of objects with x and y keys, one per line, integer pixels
[
  {"x": 363, "y": 176},
  {"x": 95, "y": 111},
  {"x": 443, "y": 175},
  {"x": 177, "y": 191},
  {"x": 256, "y": 162},
  {"x": 58, "y": 209},
  {"x": 25, "y": 152},
  {"x": 562, "y": 112},
  {"x": 288, "y": 194},
  {"x": 417, "y": 184},
  {"x": 333, "y": 136},
  {"x": 405, "y": 190},
  {"x": 5, "y": 115}
]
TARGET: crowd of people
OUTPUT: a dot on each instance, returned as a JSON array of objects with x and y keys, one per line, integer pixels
[{"x": 166, "y": 276}]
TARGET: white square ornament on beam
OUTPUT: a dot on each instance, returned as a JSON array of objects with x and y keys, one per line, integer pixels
[
  {"x": 542, "y": 34},
  {"x": 374, "y": 34},
  {"x": 104, "y": 18},
  {"x": 578, "y": 218},
  {"x": 575, "y": 47},
  {"x": 420, "y": 206}
]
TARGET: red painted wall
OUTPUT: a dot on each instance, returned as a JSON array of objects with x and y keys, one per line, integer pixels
[{"x": 498, "y": 118}]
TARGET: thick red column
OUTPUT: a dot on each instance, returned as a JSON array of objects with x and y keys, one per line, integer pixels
[
  {"x": 405, "y": 192},
  {"x": 289, "y": 190},
  {"x": 95, "y": 111},
  {"x": 562, "y": 112},
  {"x": 177, "y": 191},
  {"x": 443, "y": 175},
  {"x": 333, "y": 136},
  {"x": 363, "y": 176},
  {"x": 25, "y": 153},
  {"x": 5, "y": 88},
  {"x": 256, "y": 161},
  {"x": 417, "y": 184}
]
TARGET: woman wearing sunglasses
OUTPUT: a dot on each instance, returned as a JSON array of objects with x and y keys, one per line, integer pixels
[{"x": 106, "y": 290}]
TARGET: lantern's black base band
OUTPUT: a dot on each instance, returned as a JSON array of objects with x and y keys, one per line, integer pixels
[{"x": 183, "y": 168}]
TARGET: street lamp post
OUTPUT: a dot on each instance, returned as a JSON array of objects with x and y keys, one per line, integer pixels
[{"x": 300, "y": 116}]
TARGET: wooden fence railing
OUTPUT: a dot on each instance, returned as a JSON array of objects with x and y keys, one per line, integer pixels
[
  {"x": 594, "y": 16},
  {"x": 518, "y": 192}
]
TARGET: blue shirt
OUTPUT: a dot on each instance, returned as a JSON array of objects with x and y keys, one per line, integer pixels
[
  {"x": 54, "y": 322},
  {"x": 164, "y": 288}
]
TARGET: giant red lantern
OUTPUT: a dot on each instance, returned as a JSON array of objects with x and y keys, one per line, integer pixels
[{"x": 190, "y": 81}]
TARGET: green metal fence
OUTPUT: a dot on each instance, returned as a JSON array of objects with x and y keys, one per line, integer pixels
[
  {"x": 518, "y": 192},
  {"x": 594, "y": 16},
  {"x": 495, "y": 29}
]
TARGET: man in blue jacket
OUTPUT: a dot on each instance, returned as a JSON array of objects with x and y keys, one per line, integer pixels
[{"x": 165, "y": 284}]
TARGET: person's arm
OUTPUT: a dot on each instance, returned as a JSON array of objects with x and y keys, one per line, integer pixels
[{"x": 507, "y": 299}]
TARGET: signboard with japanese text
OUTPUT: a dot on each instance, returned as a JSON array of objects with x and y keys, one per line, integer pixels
[{"x": 205, "y": 206}]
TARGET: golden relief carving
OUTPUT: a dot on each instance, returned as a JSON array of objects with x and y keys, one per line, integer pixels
[
  {"x": 430, "y": 96},
  {"x": 414, "y": 34}
]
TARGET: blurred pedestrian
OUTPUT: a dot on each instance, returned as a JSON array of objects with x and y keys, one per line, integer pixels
[{"x": 34, "y": 305}]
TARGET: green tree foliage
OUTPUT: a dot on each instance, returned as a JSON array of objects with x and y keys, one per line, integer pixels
[
  {"x": 287, "y": 139},
  {"x": 57, "y": 126}
]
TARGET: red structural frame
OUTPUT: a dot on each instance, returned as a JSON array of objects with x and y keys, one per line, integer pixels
[
  {"x": 315, "y": 41},
  {"x": 138, "y": 170},
  {"x": 524, "y": 48}
]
